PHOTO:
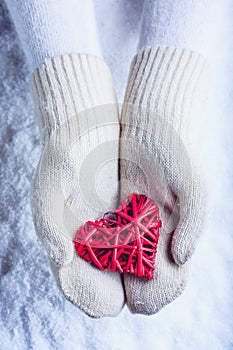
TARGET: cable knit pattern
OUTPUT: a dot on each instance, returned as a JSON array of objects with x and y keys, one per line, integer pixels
[
  {"x": 77, "y": 176},
  {"x": 159, "y": 104}
]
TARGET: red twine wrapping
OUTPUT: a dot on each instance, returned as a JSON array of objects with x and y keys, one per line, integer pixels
[{"x": 124, "y": 240}]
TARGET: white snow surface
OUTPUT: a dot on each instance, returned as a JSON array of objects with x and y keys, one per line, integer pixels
[{"x": 34, "y": 314}]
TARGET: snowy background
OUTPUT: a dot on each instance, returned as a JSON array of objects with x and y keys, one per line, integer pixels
[{"x": 33, "y": 313}]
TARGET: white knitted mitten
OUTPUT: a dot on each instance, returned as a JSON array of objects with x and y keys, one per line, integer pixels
[
  {"x": 77, "y": 176},
  {"x": 158, "y": 109}
]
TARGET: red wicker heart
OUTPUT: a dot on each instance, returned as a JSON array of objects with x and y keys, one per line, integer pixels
[{"x": 125, "y": 240}]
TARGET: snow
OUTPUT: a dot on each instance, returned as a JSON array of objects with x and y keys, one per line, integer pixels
[{"x": 34, "y": 314}]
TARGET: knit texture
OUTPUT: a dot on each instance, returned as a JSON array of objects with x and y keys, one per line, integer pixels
[
  {"x": 77, "y": 176},
  {"x": 178, "y": 23},
  {"x": 162, "y": 91},
  {"x": 51, "y": 28}
]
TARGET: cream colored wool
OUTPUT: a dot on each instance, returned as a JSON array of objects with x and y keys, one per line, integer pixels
[
  {"x": 156, "y": 159},
  {"x": 77, "y": 176}
]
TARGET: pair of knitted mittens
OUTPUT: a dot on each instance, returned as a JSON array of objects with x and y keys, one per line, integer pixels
[{"x": 77, "y": 176}]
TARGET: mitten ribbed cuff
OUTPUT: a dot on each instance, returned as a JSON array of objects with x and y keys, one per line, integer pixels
[
  {"x": 165, "y": 80},
  {"x": 67, "y": 85}
]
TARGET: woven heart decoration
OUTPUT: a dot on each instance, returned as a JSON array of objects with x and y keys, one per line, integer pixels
[{"x": 124, "y": 240}]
